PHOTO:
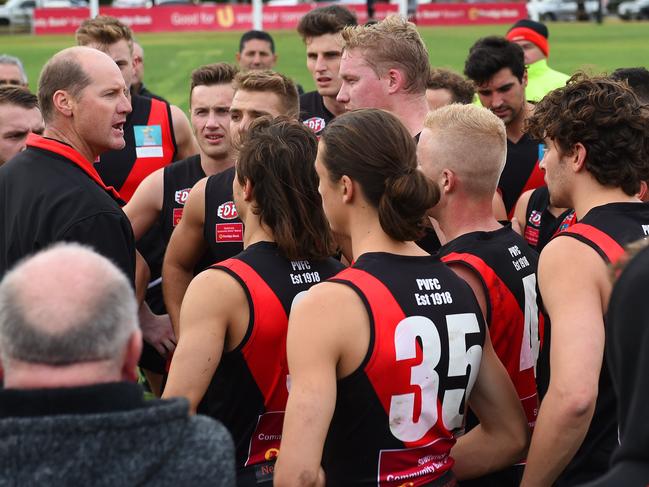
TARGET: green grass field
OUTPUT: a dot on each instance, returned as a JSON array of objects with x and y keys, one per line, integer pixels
[{"x": 169, "y": 58}]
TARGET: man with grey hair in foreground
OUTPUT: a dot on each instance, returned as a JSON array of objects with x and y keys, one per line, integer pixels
[{"x": 70, "y": 413}]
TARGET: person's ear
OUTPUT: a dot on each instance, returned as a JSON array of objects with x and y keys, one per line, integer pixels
[
  {"x": 579, "y": 157},
  {"x": 63, "y": 102},
  {"x": 132, "y": 357},
  {"x": 348, "y": 189}
]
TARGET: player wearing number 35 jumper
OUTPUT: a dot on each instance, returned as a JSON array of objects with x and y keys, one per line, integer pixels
[
  {"x": 243, "y": 331},
  {"x": 385, "y": 357}
]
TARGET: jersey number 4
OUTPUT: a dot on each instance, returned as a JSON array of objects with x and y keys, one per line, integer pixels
[
  {"x": 531, "y": 341},
  {"x": 418, "y": 330}
]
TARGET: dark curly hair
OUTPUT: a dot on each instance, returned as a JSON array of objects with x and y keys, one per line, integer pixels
[{"x": 608, "y": 119}]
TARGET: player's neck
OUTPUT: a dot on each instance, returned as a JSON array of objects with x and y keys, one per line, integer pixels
[
  {"x": 255, "y": 231},
  {"x": 212, "y": 166},
  {"x": 411, "y": 111},
  {"x": 587, "y": 198},
  {"x": 516, "y": 128},
  {"x": 368, "y": 236},
  {"x": 465, "y": 216},
  {"x": 333, "y": 106},
  {"x": 71, "y": 138}
]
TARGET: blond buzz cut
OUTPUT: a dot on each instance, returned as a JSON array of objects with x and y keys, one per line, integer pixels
[
  {"x": 475, "y": 146},
  {"x": 389, "y": 44}
]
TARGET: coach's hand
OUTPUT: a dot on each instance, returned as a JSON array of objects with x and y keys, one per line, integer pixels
[{"x": 157, "y": 330}]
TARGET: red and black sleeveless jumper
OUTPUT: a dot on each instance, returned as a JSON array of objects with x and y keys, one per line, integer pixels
[
  {"x": 248, "y": 392},
  {"x": 396, "y": 415},
  {"x": 606, "y": 229},
  {"x": 150, "y": 145},
  {"x": 507, "y": 268}
]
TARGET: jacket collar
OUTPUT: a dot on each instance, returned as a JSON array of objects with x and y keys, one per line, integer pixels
[{"x": 73, "y": 156}]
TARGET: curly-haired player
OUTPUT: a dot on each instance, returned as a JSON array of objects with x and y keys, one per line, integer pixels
[{"x": 597, "y": 138}]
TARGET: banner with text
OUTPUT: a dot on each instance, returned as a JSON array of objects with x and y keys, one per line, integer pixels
[{"x": 239, "y": 17}]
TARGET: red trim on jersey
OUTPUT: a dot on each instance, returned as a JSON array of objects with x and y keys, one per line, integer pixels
[
  {"x": 382, "y": 369},
  {"x": 599, "y": 240},
  {"x": 506, "y": 327},
  {"x": 567, "y": 222},
  {"x": 266, "y": 360},
  {"x": 142, "y": 167},
  {"x": 535, "y": 180},
  {"x": 72, "y": 155}
]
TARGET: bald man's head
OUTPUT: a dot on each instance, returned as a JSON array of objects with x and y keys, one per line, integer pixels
[
  {"x": 68, "y": 70},
  {"x": 65, "y": 305}
]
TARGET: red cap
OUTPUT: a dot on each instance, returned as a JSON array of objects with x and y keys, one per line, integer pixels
[{"x": 527, "y": 34}]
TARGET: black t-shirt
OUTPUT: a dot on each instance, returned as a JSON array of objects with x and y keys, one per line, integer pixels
[
  {"x": 313, "y": 112},
  {"x": 50, "y": 193}
]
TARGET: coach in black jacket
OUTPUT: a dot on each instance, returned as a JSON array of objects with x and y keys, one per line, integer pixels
[{"x": 51, "y": 192}]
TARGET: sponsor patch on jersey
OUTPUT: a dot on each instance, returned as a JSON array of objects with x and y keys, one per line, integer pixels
[
  {"x": 535, "y": 218},
  {"x": 177, "y": 215},
  {"x": 264, "y": 443},
  {"x": 317, "y": 124},
  {"x": 227, "y": 211},
  {"x": 148, "y": 141},
  {"x": 229, "y": 232},
  {"x": 414, "y": 466},
  {"x": 531, "y": 235},
  {"x": 181, "y": 196}
]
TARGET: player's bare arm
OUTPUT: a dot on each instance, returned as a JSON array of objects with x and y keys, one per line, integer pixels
[
  {"x": 204, "y": 322},
  {"x": 519, "y": 222},
  {"x": 498, "y": 205},
  {"x": 319, "y": 328},
  {"x": 185, "y": 141},
  {"x": 184, "y": 250},
  {"x": 145, "y": 205},
  {"x": 502, "y": 422},
  {"x": 576, "y": 354},
  {"x": 473, "y": 280}
]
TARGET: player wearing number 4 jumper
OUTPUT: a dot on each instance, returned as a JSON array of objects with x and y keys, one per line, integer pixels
[
  {"x": 230, "y": 361},
  {"x": 463, "y": 149},
  {"x": 597, "y": 136},
  {"x": 385, "y": 357}
]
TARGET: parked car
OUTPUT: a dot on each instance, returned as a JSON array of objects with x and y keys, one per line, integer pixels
[
  {"x": 131, "y": 3},
  {"x": 17, "y": 12},
  {"x": 634, "y": 10},
  {"x": 541, "y": 10},
  {"x": 21, "y": 12}
]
